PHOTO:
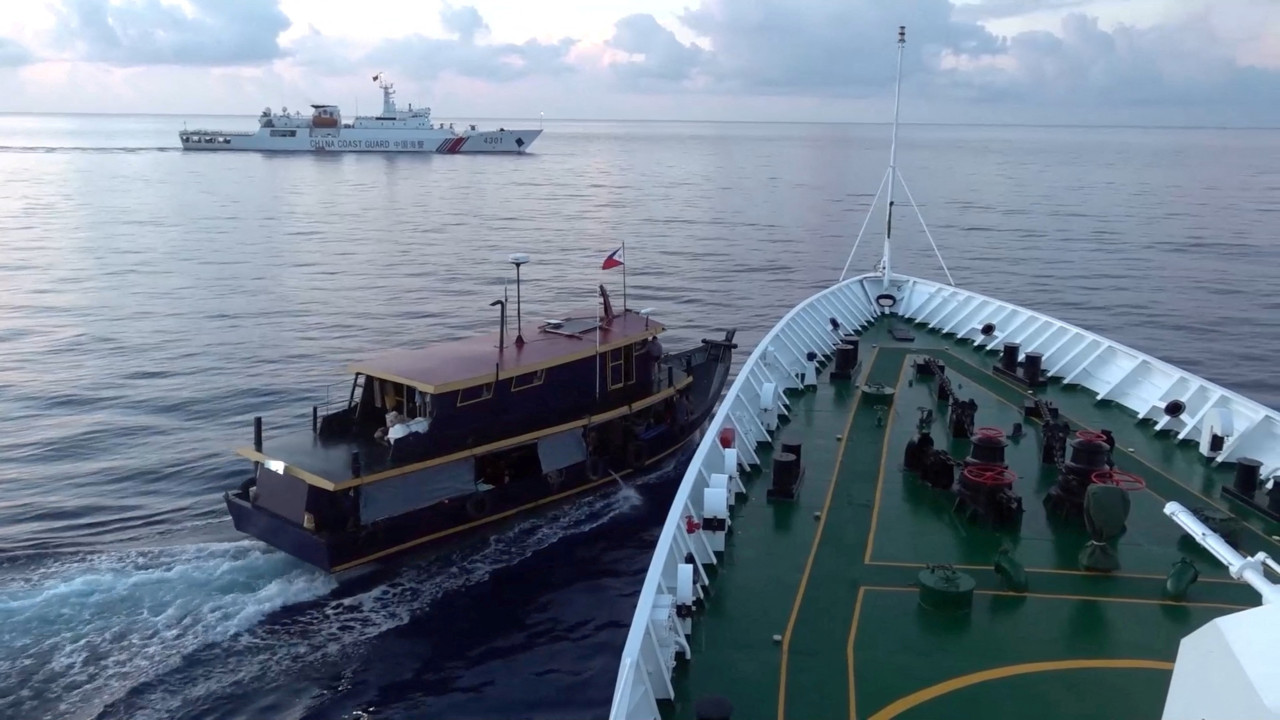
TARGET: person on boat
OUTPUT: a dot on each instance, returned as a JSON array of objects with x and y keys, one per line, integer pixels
[{"x": 384, "y": 434}]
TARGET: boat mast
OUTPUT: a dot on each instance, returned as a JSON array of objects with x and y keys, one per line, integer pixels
[{"x": 893, "y": 156}]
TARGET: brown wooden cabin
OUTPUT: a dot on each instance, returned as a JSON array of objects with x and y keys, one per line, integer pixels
[{"x": 483, "y": 398}]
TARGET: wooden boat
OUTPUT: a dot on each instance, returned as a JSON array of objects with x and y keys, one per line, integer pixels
[{"x": 436, "y": 441}]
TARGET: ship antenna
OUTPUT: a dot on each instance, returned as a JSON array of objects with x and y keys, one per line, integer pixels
[
  {"x": 893, "y": 153},
  {"x": 891, "y": 175}
]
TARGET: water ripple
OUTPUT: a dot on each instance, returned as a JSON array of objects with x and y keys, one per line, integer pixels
[{"x": 153, "y": 301}]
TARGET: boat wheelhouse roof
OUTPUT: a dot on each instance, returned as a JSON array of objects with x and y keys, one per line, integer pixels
[{"x": 477, "y": 360}]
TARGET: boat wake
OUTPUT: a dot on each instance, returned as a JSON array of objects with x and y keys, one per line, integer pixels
[
  {"x": 167, "y": 632},
  {"x": 73, "y": 635}
]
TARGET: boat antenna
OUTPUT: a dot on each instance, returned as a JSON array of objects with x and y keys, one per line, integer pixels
[{"x": 518, "y": 259}]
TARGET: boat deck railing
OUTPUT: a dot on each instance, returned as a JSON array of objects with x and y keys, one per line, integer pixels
[{"x": 1226, "y": 425}]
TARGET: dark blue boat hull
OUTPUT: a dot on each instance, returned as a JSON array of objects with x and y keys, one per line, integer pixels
[{"x": 341, "y": 549}]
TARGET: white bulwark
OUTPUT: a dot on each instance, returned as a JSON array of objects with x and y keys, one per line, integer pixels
[{"x": 392, "y": 130}]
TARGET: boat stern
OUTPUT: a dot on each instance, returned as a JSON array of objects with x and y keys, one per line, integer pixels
[{"x": 256, "y": 521}]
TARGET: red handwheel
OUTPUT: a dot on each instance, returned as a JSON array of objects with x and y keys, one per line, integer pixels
[
  {"x": 990, "y": 433},
  {"x": 1120, "y": 479},
  {"x": 992, "y": 475},
  {"x": 1091, "y": 436}
]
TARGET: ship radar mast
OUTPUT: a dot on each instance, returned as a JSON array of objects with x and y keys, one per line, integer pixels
[
  {"x": 893, "y": 177},
  {"x": 388, "y": 95},
  {"x": 893, "y": 156}
]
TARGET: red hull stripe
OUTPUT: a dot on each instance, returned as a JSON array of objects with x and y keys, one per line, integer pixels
[{"x": 452, "y": 145}]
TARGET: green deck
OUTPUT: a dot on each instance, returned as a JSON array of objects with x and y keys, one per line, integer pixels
[{"x": 840, "y": 588}]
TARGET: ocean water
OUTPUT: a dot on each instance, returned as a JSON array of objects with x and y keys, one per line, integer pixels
[{"x": 153, "y": 301}]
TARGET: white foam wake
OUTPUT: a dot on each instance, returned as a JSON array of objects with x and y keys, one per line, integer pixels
[
  {"x": 75, "y": 635},
  {"x": 145, "y": 634}
]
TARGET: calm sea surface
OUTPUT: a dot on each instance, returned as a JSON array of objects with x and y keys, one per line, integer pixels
[{"x": 153, "y": 301}]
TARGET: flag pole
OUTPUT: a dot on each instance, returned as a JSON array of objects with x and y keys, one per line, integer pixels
[{"x": 624, "y": 276}]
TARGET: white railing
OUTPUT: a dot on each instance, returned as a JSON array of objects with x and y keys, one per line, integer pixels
[{"x": 755, "y": 399}]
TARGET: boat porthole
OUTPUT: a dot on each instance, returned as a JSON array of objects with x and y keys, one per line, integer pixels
[
  {"x": 886, "y": 300},
  {"x": 478, "y": 505},
  {"x": 988, "y": 329},
  {"x": 1174, "y": 408}
]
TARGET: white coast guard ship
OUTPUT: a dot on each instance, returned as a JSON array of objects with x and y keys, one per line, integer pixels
[{"x": 392, "y": 130}]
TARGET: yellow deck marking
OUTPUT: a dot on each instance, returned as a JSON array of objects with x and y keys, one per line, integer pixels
[
  {"x": 884, "y": 455},
  {"x": 813, "y": 549},
  {"x": 1096, "y": 598},
  {"x": 923, "y": 696},
  {"x": 1055, "y": 596},
  {"x": 1052, "y": 571},
  {"x": 918, "y": 698},
  {"x": 848, "y": 653}
]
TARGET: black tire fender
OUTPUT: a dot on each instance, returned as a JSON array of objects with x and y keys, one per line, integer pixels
[{"x": 554, "y": 479}]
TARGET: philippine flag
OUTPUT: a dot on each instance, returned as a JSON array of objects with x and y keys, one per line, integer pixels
[{"x": 612, "y": 261}]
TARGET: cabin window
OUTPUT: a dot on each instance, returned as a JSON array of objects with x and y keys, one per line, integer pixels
[
  {"x": 617, "y": 377},
  {"x": 475, "y": 393},
  {"x": 528, "y": 380},
  {"x": 629, "y": 364}
]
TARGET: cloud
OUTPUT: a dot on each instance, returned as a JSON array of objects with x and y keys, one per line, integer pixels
[
  {"x": 1084, "y": 65},
  {"x": 1001, "y": 9},
  {"x": 664, "y": 57},
  {"x": 838, "y": 48},
  {"x": 13, "y": 53},
  {"x": 465, "y": 22},
  {"x": 424, "y": 57},
  {"x": 151, "y": 32},
  {"x": 784, "y": 47},
  {"x": 833, "y": 59},
  {"x": 826, "y": 46}
]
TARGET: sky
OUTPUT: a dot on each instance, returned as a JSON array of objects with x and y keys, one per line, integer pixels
[{"x": 1146, "y": 62}]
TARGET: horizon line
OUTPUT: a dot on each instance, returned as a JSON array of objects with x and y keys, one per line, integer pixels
[{"x": 1136, "y": 126}]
